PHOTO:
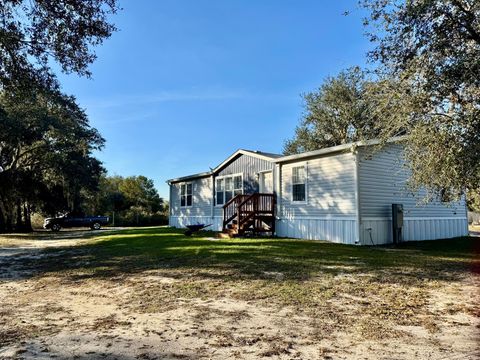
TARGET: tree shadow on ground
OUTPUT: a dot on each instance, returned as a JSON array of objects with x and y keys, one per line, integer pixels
[
  {"x": 68, "y": 234},
  {"x": 132, "y": 251}
]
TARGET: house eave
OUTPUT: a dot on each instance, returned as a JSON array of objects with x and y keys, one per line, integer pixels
[
  {"x": 190, "y": 177},
  {"x": 242, "y": 152},
  {"x": 335, "y": 149},
  {"x": 227, "y": 161}
]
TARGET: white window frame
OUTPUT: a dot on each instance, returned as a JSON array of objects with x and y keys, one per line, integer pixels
[
  {"x": 223, "y": 177},
  {"x": 305, "y": 167},
  {"x": 186, "y": 194}
]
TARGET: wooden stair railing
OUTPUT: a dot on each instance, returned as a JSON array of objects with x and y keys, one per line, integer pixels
[
  {"x": 230, "y": 209},
  {"x": 255, "y": 209}
]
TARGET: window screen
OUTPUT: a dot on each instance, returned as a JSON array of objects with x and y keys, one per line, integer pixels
[
  {"x": 237, "y": 185},
  {"x": 227, "y": 188},
  {"x": 186, "y": 195},
  {"x": 298, "y": 183},
  {"x": 220, "y": 191}
]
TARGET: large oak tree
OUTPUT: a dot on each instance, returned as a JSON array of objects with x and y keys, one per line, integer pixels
[
  {"x": 46, "y": 142},
  {"x": 46, "y": 157},
  {"x": 35, "y": 33},
  {"x": 428, "y": 53},
  {"x": 337, "y": 113}
]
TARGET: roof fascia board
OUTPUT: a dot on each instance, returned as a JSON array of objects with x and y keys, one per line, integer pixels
[
  {"x": 221, "y": 166},
  {"x": 241, "y": 152},
  {"x": 335, "y": 149},
  {"x": 190, "y": 177}
]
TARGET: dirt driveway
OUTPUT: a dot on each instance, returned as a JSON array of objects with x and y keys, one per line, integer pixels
[{"x": 85, "y": 311}]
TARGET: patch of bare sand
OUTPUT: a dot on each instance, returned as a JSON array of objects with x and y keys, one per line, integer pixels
[{"x": 92, "y": 318}]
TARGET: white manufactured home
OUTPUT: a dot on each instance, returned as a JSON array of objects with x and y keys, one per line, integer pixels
[{"x": 342, "y": 194}]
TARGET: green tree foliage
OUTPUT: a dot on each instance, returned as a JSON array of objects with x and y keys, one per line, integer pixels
[
  {"x": 46, "y": 143},
  {"x": 473, "y": 197},
  {"x": 429, "y": 56},
  {"x": 134, "y": 200},
  {"x": 34, "y": 33},
  {"x": 337, "y": 113},
  {"x": 46, "y": 159}
]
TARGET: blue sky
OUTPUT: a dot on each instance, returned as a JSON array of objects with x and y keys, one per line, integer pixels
[{"x": 185, "y": 83}]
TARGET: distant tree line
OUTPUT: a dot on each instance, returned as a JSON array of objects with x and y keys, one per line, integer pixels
[{"x": 129, "y": 201}]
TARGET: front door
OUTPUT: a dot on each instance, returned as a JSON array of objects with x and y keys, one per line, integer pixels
[{"x": 266, "y": 182}]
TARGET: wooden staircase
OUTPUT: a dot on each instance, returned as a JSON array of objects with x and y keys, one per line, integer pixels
[{"x": 249, "y": 214}]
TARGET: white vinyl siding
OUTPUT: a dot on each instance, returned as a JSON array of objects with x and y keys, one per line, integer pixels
[
  {"x": 201, "y": 198},
  {"x": 383, "y": 182},
  {"x": 330, "y": 188}
]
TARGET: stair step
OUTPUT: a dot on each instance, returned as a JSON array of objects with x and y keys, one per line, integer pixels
[
  {"x": 224, "y": 235},
  {"x": 257, "y": 214}
]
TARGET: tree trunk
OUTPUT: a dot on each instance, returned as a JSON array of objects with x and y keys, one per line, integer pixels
[
  {"x": 27, "y": 217},
  {"x": 19, "y": 222},
  {"x": 7, "y": 211},
  {"x": 2, "y": 220}
]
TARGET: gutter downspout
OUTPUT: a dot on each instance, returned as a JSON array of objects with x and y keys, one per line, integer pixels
[
  {"x": 467, "y": 233},
  {"x": 169, "y": 203},
  {"x": 278, "y": 185},
  {"x": 357, "y": 194},
  {"x": 212, "y": 211}
]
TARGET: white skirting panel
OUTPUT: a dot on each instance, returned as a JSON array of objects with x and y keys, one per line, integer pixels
[
  {"x": 379, "y": 230},
  {"x": 183, "y": 221},
  {"x": 335, "y": 230}
]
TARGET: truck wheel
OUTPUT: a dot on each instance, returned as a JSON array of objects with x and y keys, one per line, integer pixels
[
  {"x": 96, "y": 226},
  {"x": 56, "y": 227}
]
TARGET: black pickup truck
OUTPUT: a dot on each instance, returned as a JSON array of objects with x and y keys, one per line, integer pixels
[{"x": 69, "y": 221}]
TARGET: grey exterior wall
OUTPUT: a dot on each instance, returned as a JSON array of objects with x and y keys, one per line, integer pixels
[
  {"x": 203, "y": 192},
  {"x": 249, "y": 166},
  {"x": 382, "y": 182}
]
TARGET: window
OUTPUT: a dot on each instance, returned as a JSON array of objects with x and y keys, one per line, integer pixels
[
  {"x": 237, "y": 185},
  {"x": 298, "y": 183},
  {"x": 227, "y": 187},
  {"x": 220, "y": 191},
  {"x": 186, "y": 197}
]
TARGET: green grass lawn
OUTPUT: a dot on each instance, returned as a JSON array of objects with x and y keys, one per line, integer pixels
[
  {"x": 287, "y": 271},
  {"x": 250, "y": 258}
]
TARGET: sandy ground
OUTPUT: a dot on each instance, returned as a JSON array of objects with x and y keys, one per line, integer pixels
[
  {"x": 43, "y": 316},
  {"x": 474, "y": 230}
]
